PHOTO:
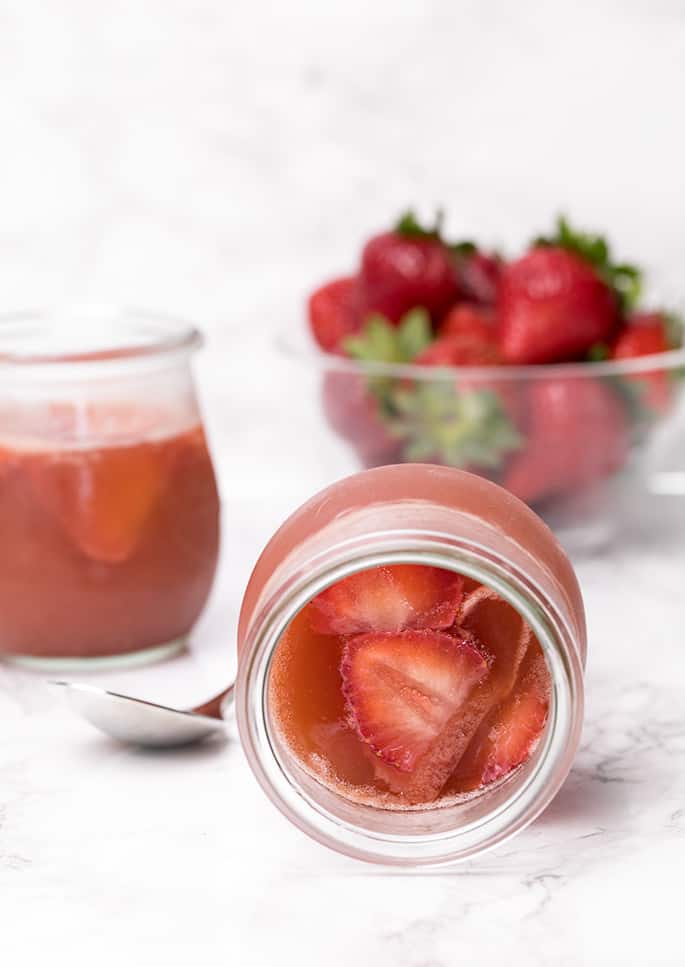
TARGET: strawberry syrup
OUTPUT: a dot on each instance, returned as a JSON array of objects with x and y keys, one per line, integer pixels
[{"x": 108, "y": 548}]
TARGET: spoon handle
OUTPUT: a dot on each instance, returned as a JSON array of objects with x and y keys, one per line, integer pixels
[{"x": 217, "y": 707}]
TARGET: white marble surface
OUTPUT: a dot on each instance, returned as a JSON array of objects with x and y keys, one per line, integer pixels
[
  {"x": 109, "y": 849},
  {"x": 213, "y": 159}
]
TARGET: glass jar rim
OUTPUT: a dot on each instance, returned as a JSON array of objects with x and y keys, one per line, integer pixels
[
  {"x": 527, "y": 800},
  {"x": 31, "y": 338}
]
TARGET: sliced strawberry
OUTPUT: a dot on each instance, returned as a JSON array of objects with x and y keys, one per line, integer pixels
[
  {"x": 334, "y": 312},
  {"x": 389, "y": 599},
  {"x": 497, "y": 630},
  {"x": 516, "y": 731},
  {"x": 502, "y": 632},
  {"x": 508, "y": 735},
  {"x": 102, "y": 497},
  {"x": 508, "y": 640},
  {"x": 402, "y": 689}
]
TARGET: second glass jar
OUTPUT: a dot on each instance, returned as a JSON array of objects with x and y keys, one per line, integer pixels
[{"x": 108, "y": 504}]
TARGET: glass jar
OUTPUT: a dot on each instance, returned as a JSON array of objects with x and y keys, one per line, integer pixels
[
  {"x": 424, "y": 515},
  {"x": 109, "y": 512}
]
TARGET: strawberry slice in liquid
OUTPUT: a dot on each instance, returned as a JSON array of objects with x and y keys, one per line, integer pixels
[
  {"x": 508, "y": 735},
  {"x": 504, "y": 637},
  {"x": 102, "y": 495},
  {"x": 402, "y": 689},
  {"x": 102, "y": 498},
  {"x": 389, "y": 598},
  {"x": 386, "y": 717}
]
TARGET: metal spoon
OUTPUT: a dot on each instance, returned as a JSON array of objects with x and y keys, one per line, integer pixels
[{"x": 145, "y": 723}]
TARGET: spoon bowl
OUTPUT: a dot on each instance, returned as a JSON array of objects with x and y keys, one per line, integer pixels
[{"x": 139, "y": 722}]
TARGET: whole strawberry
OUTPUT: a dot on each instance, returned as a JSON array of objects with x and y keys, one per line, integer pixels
[
  {"x": 577, "y": 435},
  {"x": 553, "y": 307},
  {"x": 469, "y": 347},
  {"x": 460, "y": 349},
  {"x": 561, "y": 298},
  {"x": 456, "y": 419},
  {"x": 334, "y": 312},
  {"x": 479, "y": 273},
  {"x": 354, "y": 412},
  {"x": 470, "y": 321},
  {"x": 407, "y": 268},
  {"x": 647, "y": 334}
]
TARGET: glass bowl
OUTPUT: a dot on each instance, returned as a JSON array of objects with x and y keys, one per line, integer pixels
[{"x": 578, "y": 442}]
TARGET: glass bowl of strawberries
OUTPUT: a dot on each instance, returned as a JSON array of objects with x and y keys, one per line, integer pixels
[{"x": 544, "y": 373}]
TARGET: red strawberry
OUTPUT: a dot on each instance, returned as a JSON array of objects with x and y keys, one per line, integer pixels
[
  {"x": 334, "y": 312},
  {"x": 553, "y": 306},
  {"x": 498, "y": 630},
  {"x": 646, "y": 334},
  {"x": 389, "y": 599},
  {"x": 508, "y": 735},
  {"x": 469, "y": 321},
  {"x": 503, "y": 634},
  {"x": 403, "y": 691},
  {"x": 479, "y": 276},
  {"x": 577, "y": 434},
  {"x": 507, "y": 639},
  {"x": 472, "y": 349},
  {"x": 354, "y": 413},
  {"x": 459, "y": 350},
  {"x": 407, "y": 268}
]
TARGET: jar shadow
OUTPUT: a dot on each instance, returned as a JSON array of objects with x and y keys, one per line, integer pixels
[
  {"x": 103, "y": 746},
  {"x": 204, "y": 749},
  {"x": 605, "y": 795},
  {"x": 588, "y": 796}
]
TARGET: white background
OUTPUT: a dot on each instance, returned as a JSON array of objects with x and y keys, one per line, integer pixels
[{"x": 214, "y": 159}]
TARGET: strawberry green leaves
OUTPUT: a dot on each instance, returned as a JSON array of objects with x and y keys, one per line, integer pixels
[
  {"x": 675, "y": 327},
  {"x": 623, "y": 278},
  {"x": 379, "y": 341},
  {"x": 409, "y": 226},
  {"x": 437, "y": 422},
  {"x": 434, "y": 419},
  {"x": 599, "y": 352}
]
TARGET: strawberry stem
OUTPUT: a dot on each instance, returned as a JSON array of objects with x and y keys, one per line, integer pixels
[
  {"x": 598, "y": 352},
  {"x": 409, "y": 226},
  {"x": 463, "y": 248},
  {"x": 438, "y": 422},
  {"x": 674, "y": 329}
]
